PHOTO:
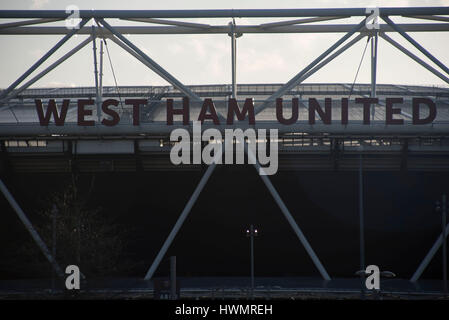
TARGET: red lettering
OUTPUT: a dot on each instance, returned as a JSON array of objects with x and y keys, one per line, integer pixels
[
  {"x": 52, "y": 110},
  {"x": 110, "y": 112},
  {"x": 295, "y": 111},
  {"x": 83, "y": 112}
]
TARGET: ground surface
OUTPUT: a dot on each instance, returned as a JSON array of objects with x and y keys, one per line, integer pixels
[{"x": 225, "y": 288}]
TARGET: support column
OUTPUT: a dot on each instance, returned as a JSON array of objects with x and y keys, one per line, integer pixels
[
  {"x": 22, "y": 216},
  {"x": 180, "y": 221},
  {"x": 288, "y": 216},
  {"x": 429, "y": 256}
]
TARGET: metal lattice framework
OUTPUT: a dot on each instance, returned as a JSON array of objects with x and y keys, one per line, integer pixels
[{"x": 159, "y": 22}]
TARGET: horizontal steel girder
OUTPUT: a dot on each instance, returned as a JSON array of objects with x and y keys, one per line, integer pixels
[
  {"x": 354, "y": 127},
  {"x": 224, "y": 13},
  {"x": 225, "y": 29}
]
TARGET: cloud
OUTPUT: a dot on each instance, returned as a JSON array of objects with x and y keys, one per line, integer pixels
[
  {"x": 58, "y": 84},
  {"x": 36, "y": 53},
  {"x": 38, "y": 4}
]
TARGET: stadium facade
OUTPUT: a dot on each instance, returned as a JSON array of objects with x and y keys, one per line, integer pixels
[{"x": 354, "y": 192}]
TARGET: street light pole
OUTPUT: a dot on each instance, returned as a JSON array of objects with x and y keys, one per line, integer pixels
[{"x": 251, "y": 233}]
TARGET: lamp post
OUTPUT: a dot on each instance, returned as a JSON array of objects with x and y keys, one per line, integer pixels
[
  {"x": 251, "y": 233},
  {"x": 442, "y": 207}
]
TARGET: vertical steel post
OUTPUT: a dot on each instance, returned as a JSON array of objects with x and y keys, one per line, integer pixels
[
  {"x": 373, "y": 69},
  {"x": 233, "y": 59},
  {"x": 173, "y": 295},
  {"x": 361, "y": 225},
  {"x": 443, "y": 220},
  {"x": 97, "y": 90},
  {"x": 101, "y": 70}
]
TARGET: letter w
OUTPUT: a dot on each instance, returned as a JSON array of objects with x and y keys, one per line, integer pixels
[{"x": 52, "y": 109}]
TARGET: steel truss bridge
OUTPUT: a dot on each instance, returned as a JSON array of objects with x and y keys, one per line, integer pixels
[{"x": 26, "y": 146}]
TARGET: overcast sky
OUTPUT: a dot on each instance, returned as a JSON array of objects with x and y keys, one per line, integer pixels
[{"x": 205, "y": 59}]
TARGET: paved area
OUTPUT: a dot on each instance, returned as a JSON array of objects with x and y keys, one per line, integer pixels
[{"x": 224, "y": 287}]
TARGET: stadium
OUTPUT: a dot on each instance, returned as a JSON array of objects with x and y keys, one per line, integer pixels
[{"x": 357, "y": 190}]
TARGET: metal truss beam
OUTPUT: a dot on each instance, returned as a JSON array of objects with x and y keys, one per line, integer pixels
[
  {"x": 416, "y": 58},
  {"x": 429, "y": 256},
  {"x": 172, "y": 23},
  {"x": 381, "y": 103},
  {"x": 160, "y": 71},
  {"x": 416, "y": 44},
  {"x": 298, "y": 21},
  {"x": 265, "y": 104},
  {"x": 155, "y": 67},
  {"x": 354, "y": 127},
  {"x": 41, "y": 60},
  {"x": 180, "y": 221},
  {"x": 272, "y": 191},
  {"x": 289, "y": 216},
  {"x": 131, "y": 52},
  {"x": 26, "y": 23},
  {"x": 434, "y": 18},
  {"x": 37, "y": 239},
  {"x": 299, "y": 77},
  {"x": 333, "y": 56},
  {"x": 44, "y": 72},
  {"x": 224, "y": 13},
  {"x": 225, "y": 29}
]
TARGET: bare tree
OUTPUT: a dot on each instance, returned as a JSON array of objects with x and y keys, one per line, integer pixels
[{"x": 85, "y": 236}]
